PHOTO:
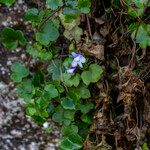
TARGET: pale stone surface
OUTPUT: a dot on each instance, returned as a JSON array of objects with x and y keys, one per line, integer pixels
[{"x": 18, "y": 131}]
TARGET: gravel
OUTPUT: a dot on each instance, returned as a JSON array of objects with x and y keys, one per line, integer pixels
[{"x": 18, "y": 131}]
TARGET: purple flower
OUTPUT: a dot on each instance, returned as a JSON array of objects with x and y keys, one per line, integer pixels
[
  {"x": 78, "y": 59},
  {"x": 71, "y": 70}
]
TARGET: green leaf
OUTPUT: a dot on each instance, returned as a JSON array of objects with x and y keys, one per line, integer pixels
[
  {"x": 7, "y": 2},
  {"x": 86, "y": 118},
  {"x": 36, "y": 51},
  {"x": 44, "y": 55},
  {"x": 93, "y": 75},
  {"x": 18, "y": 72},
  {"x": 11, "y": 38},
  {"x": 84, "y": 93},
  {"x": 71, "y": 11},
  {"x": 68, "y": 103},
  {"x": 20, "y": 69},
  {"x": 135, "y": 12},
  {"x": 38, "y": 78},
  {"x": 41, "y": 103},
  {"x": 86, "y": 76},
  {"x": 83, "y": 131},
  {"x": 69, "y": 114},
  {"x": 50, "y": 108},
  {"x": 85, "y": 108},
  {"x": 73, "y": 95},
  {"x": 54, "y": 4},
  {"x": 34, "y": 15},
  {"x": 96, "y": 72},
  {"x": 84, "y": 6},
  {"x": 26, "y": 90},
  {"x": 71, "y": 80},
  {"x": 39, "y": 120},
  {"x": 30, "y": 111},
  {"x": 55, "y": 69},
  {"x": 73, "y": 136},
  {"x": 145, "y": 146},
  {"x": 136, "y": 7},
  {"x": 75, "y": 80},
  {"x": 67, "y": 62},
  {"x": 44, "y": 113},
  {"x": 133, "y": 26},
  {"x": 38, "y": 91},
  {"x": 32, "y": 51},
  {"x": 138, "y": 3},
  {"x": 141, "y": 35},
  {"x": 58, "y": 115},
  {"x": 66, "y": 144},
  {"x": 59, "y": 87},
  {"x": 51, "y": 90},
  {"x": 49, "y": 32},
  {"x": 20, "y": 37},
  {"x": 72, "y": 127},
  {"x": 69, "y": 18},
  {"x": 66, "y": 122}
]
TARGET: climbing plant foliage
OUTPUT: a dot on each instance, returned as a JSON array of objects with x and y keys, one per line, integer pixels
[{"x": 59, "y": 88}]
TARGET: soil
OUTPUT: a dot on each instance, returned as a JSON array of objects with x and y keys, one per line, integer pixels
[{"x": 122, "y": 118}]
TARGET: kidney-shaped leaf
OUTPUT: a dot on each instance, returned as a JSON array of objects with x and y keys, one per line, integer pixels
[
  {"x": 49, "y": 32},
  {"x": 68, "y": 103},
  {"x": 18, "y": 72},
  {"x": 54, "y": 4}
]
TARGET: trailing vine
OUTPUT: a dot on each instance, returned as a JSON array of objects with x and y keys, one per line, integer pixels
[{"x": 60, "y": 88}]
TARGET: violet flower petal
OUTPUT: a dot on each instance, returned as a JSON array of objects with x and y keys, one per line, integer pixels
[
  {"x": 74, "y": 54},
  {"x": 77, "y": 58},
  {"x": 80, "y": 64},
  {"x": 70, "y": 70},
  {"x": 82, "y": 59},
  {"x": 74, "y": 63}
]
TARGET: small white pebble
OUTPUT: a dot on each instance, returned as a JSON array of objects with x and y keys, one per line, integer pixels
[
  {"x": 15, "y": 22},
  {"x": 9, "y": 19},
  {"x": 25, "y": 8},
  {"x": 20, "y": 2},
  {"x": 23, "y": 56},
  {"x": 11, "y": 22},
  {"x": 15, "y": 8},
  {"x": 4, "y": 23},
  {"x": 9, "y": 63},
  {"x": 21, "y": 19},
  {"x": 18, "y": 49},
  {"x": 30, "y": 42},
  {"x": 45, "y": 125},
  {"x": 3, "y": 72},
  {"x": 2, "y": 68}
]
